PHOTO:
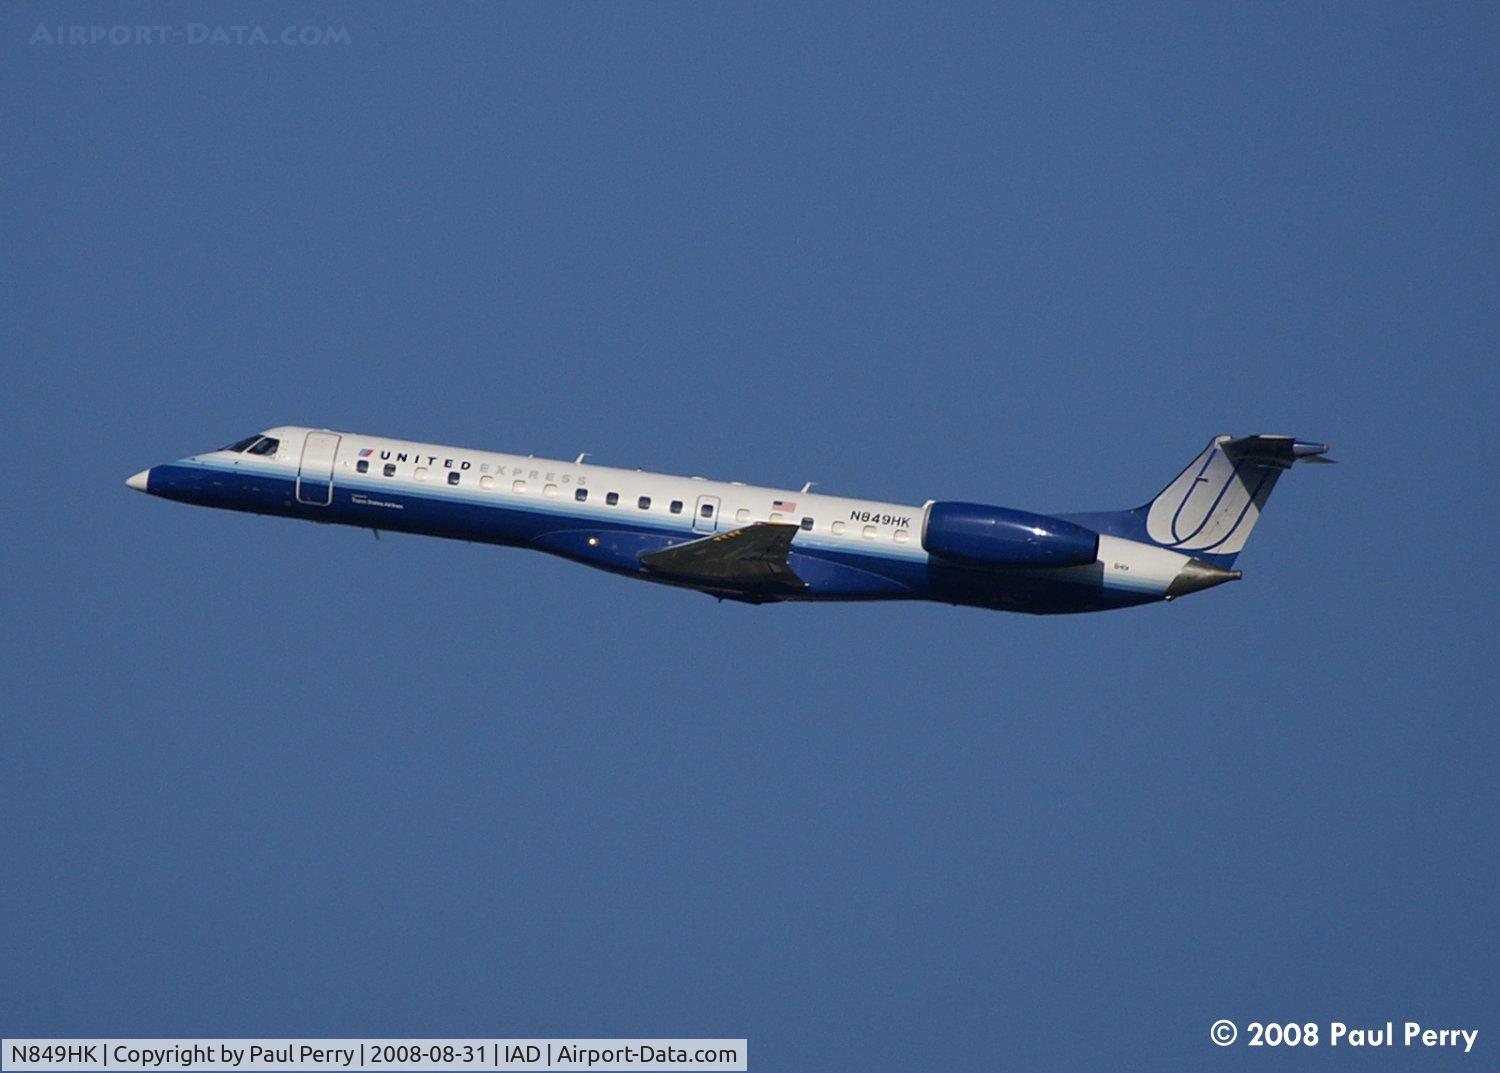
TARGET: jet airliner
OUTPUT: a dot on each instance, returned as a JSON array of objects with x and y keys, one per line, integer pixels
[{"x": 758, "y": 545}]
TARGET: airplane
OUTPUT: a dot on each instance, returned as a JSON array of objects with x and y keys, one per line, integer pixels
[{"x": 752, "y": 544}]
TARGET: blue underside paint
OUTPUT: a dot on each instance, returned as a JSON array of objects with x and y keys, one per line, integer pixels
[{"x": 617, "y": 545}]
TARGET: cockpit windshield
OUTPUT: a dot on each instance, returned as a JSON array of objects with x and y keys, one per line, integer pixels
[{"x": 254, "y": 445}]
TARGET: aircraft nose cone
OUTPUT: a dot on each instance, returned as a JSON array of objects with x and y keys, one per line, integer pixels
[{"x": 140, "y": 482}]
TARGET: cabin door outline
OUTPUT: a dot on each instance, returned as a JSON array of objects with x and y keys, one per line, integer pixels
[{"x": 315, "y": 471}]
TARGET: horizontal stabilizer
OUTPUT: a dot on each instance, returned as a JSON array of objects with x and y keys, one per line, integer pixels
[{"x": 1278, "y": 451}]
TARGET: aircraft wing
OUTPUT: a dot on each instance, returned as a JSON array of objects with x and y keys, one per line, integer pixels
[{"x": 748, "y": 562}]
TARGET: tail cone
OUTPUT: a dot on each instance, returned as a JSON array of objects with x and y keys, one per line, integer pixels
[{"x": 1198, "y": 575}]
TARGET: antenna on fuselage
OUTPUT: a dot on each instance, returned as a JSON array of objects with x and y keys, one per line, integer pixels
[
  {"x": 579, "y": 460},
  {"x": 808, "y": 486}
]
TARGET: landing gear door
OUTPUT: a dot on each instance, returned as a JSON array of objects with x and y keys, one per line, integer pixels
[
  {"x": 706, "y": 515},
  {"x": 315, "y": 474}
]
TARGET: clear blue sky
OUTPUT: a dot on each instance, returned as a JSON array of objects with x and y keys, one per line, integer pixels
[{"x": 268, "y": 778}]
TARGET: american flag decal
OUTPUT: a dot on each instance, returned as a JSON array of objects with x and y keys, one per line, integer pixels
[
  {"x": 366, "y": 452},
  {"x": 781, "y": 504}
]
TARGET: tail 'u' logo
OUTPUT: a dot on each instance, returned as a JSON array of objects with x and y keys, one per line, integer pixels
[{"x": 1213, "y": 505}]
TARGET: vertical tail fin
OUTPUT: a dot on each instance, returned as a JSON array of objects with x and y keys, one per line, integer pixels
[{"x": 1209, "y": 511}]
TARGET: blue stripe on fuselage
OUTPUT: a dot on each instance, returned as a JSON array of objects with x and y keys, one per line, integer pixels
[{"x": 468, "y": 514}]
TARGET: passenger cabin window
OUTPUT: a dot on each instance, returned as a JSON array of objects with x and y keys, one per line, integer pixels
[
  {"x": 676, "y": 507},
  {"x": 706, "y": 511},
  {"x": 581, "y": 494},
  {"x": 453, "y": 477},
  {"x": 807, "y": 523},
  {"x": 550, "y": 491},
  {"x": 518, "y": 487},
  {"x": 362, "y": 466},
  {"x": 421, "y": 473},
  {"x": 902, "y": 536},
  {"x": 869, "y": 532},
  {"x": 612, "y": 498},
  {"x": 486, "y": 481},
  {"x": 838, "y": 527},
  {"x": 266, "y": 446},
  {"x": 390, "y": 469},
  {"x": 742, "y": 515},
  {"x": 644, "y": 502}
]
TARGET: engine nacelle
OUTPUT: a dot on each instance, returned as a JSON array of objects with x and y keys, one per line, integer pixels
[{"x": 977, "y": 535}]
